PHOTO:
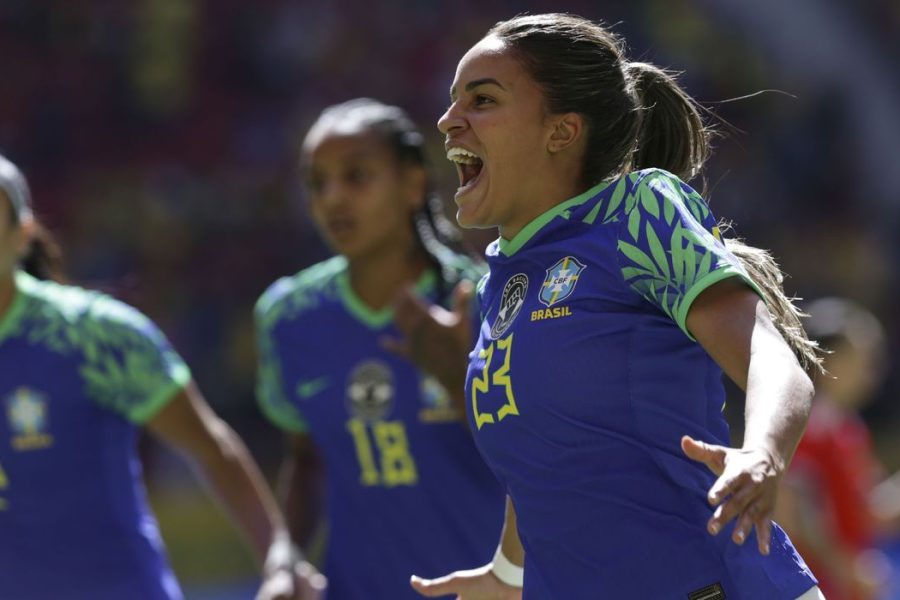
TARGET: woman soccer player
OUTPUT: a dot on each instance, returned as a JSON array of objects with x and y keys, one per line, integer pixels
[
  {"x": 405, "y": 486},
  {"x": 80, "y": 375},
  {"x": 610, "y": 311}
]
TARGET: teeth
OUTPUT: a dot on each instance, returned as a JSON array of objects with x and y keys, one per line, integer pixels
[{"x": 462, "y": 156}]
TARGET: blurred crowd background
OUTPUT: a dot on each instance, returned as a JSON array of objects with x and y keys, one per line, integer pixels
[{"x": 160, "y": 140}]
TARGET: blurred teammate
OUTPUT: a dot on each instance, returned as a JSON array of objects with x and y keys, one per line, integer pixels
[
  {"x": 834, "y": 504},
  {"x": 611, "y": 309},
  {"x": 80, "y": 375},
  {"x": 405, "y": 486}
]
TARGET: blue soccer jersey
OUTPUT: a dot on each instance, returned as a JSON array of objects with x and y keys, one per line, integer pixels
[
  {"x": 406, "y": 490},
  {"x": 582, "y": 383},
  {"x": 79, "y": 372}
]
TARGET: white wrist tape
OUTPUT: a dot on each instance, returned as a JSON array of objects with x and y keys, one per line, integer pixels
[{"x": 507, "y": 572}]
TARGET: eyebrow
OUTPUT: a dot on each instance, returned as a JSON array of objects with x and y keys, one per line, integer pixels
[{"x": 478, "y": 82}]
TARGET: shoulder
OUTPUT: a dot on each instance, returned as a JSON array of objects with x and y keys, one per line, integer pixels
[
  {"x": 659, "y": 192},
  {"x": 301, "y": 292},
  {"x": 85, "y": 312}
]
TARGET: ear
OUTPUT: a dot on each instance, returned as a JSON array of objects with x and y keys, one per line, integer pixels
[
  {"x": 415, "y": 185},
  {"x": 566, "y": 131},
  {"x": 22, "y": 236}
]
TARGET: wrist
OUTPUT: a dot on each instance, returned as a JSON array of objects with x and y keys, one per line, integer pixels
[
  {"x": 283, "y": 554},
  {"x": 507, "y": 572},
  {"x": 773, "y": 456}
]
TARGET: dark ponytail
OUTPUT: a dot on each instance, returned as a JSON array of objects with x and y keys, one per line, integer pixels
[
  {"x": 765, "y": 272},
  {"x": 671, "y": 133},
  {"x": 43, "y": 258}
]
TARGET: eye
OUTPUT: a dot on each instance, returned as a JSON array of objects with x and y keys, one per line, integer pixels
[
  {"x": 481, "y": 99},
  {"x": 314, "y": 183},
  {"x": 357, "y": 176}
]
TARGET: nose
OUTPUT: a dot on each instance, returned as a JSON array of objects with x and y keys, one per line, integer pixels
[
  {"x": 330, "y": 192},
  {"x": 451, "y": 120}
]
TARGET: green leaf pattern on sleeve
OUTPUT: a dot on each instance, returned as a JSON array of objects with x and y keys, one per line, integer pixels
[
  {"x": 669, "y": 247},
  {"x": 284, "y": 301},
  {"x": 126, "y": 366}
]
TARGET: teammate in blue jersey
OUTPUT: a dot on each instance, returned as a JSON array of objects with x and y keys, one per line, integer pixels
[
  {"x": 80, "y": 375},
  {"x": 405, "y": 487},
  {"x": 611, "y": 309}
]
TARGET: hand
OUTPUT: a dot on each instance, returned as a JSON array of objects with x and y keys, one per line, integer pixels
[
  {"x": 745, "y": 490},
  {"x": 474, "y": 584},
  {"x": 304, "y": 582},
  {"x": 435, "y": 339}
]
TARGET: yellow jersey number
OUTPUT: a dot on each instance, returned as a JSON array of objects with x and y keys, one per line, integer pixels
[
  {"x": 500, "y": 377},
  {"x": 383, "y": 452},
  {"x": 4, "y": 483}
]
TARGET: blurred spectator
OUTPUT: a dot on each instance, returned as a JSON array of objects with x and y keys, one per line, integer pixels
[{"x": 834, "y": 504}]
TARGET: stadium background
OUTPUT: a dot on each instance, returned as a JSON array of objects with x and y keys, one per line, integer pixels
[{"x": 160, "y": 140}]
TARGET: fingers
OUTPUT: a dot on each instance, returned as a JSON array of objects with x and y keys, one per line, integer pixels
[
  {"x": 397, "y": 346},
  {"x": 764, "y": 535},
  {"x": 409, "y": 311},
  {"x": 312, "y": 584},
  {"x": 711, "y": 455},
  {"x": 462, "y": 297},
  {"x": 435, "y": 587}
]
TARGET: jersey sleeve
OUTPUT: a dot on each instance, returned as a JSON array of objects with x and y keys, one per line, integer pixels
[
  {"x": 669, "y": 246},
  {"x": 270, "y": 394},
  {"x": 129, "y": 366}
]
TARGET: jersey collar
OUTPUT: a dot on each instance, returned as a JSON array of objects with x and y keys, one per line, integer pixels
[{"x": 509, "y": 247}]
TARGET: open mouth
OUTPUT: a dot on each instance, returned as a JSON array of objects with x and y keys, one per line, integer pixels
[{"x": 468, "y": 166}]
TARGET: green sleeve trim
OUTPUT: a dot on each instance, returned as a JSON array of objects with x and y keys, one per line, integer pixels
[
  {"x": 702, "y": 284},
  {"x": 181, "y": 376},
  {"x": 283, "y": 419}
]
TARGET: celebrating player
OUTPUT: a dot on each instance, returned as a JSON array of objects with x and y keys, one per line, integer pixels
[
  {"x": 405, "y": 486},
  {"x": 610, "y": 311},
  {"x": 80, "y": 375}
]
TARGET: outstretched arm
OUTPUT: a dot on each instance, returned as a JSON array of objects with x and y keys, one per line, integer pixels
[
  {"x": 189, "y": 425},
  {"x": 734, "y": 326},
  {"x": 500, "y": 579}
]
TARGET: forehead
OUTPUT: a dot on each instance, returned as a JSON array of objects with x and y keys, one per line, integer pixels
[
  {"x": 344, "y": 145},
  {"x": 491, "y": 58}
]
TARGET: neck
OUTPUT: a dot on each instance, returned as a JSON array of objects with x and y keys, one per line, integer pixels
[
  {"x": 7, "y": 292},
  {"x": 547, "y": 191},
  {"x": 378, "y": 277}
]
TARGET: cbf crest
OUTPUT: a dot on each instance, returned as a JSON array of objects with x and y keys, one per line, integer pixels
[
  {"x": 511, "y": 302},
  {"x": 561, "y": 280},
  {"x": 28, "y": 418},
  {"x": 370, "y": 391}
]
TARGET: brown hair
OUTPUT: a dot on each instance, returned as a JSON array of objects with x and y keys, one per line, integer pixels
[{"x": 43, "y": 257}]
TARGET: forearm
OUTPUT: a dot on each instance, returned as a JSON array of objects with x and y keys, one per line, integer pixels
[
  {"x": 298, "y": 488},
  {"x": 779, "y": 396},
  {"x": 239, "y": 486}
]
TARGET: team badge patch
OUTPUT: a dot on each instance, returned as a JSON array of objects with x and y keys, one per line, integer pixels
[
  {"x": 511, "y": 302},
  {"x": 436, "y": 405},
  {"x": 370, "y": 391},
  {"x": 26, "y": 411},
  {"x": 561, "y": 280}
]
